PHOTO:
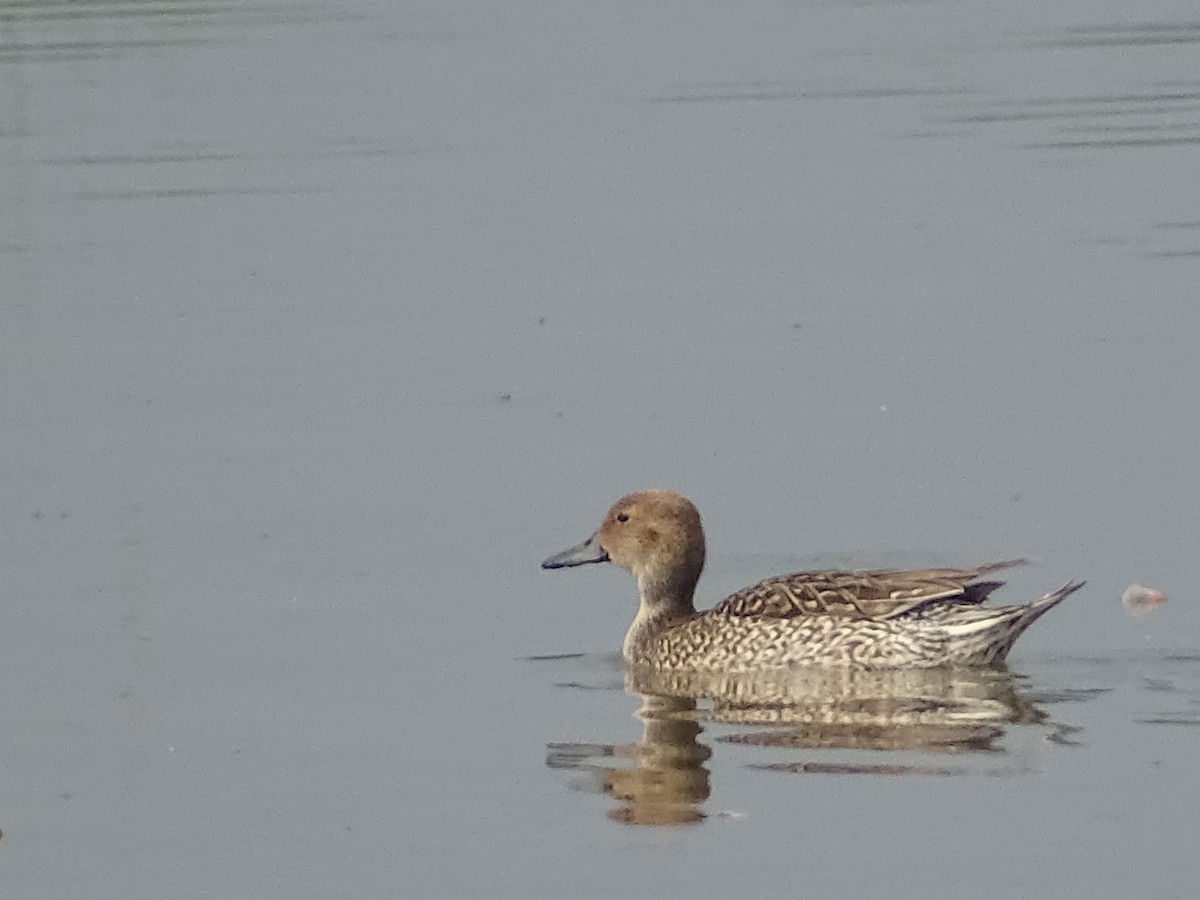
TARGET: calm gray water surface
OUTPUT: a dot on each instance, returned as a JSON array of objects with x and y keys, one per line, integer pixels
[{"x": 322, "y": 323}]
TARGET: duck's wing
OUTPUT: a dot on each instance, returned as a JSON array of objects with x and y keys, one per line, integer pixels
[{"x": 877, "y": 594}]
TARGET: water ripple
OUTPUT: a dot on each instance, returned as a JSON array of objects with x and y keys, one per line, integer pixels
[
  {"x": 760, "y": 94},
  {"x": 71, "y": 30},
  {"x": 1144, "y": 34},
  {"x": 1161, "y": 118}
]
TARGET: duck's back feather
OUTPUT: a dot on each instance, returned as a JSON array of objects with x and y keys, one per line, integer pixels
[{"x": 878, "y": 594}]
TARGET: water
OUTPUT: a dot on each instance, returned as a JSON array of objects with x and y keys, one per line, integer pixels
[{"x": 322, "y": 324}]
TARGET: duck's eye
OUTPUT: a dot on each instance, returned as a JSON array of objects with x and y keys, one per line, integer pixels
[{"x": 622, "y": 517}]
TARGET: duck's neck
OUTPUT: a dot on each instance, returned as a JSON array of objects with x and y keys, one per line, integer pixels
[{"x": 663, "y": 603}]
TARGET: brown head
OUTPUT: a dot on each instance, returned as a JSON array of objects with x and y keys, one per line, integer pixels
[{"x": 656, "y": 535}]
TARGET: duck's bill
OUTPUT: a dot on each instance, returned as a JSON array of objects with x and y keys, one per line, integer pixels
[{"x": 589, "y": 551}]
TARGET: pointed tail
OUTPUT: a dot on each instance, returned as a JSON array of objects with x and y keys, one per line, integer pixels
[{"x": 988, "y": 635}]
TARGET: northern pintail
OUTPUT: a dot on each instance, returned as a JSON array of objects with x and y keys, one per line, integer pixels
[{"x": 877, "y": 619}]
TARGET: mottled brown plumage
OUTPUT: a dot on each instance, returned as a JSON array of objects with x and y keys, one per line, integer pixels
[
  {"x": 875, "y": 594},
  {"x": 875, "y": 620}
]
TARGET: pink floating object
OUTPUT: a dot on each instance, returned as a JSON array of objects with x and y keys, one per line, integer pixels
[{"x": 1139, "y": 600}]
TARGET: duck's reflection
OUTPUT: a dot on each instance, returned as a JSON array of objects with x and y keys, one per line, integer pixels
[{"x": 663, "y": 780}]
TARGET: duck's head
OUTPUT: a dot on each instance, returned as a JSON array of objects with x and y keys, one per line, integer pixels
[{"x": 656, "y": 535}]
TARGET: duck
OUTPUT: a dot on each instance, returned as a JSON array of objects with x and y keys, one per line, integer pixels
[{"x": 872, "y": 619}]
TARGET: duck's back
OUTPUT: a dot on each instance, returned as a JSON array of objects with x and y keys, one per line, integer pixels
[{"x": 877, "y": 594}]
